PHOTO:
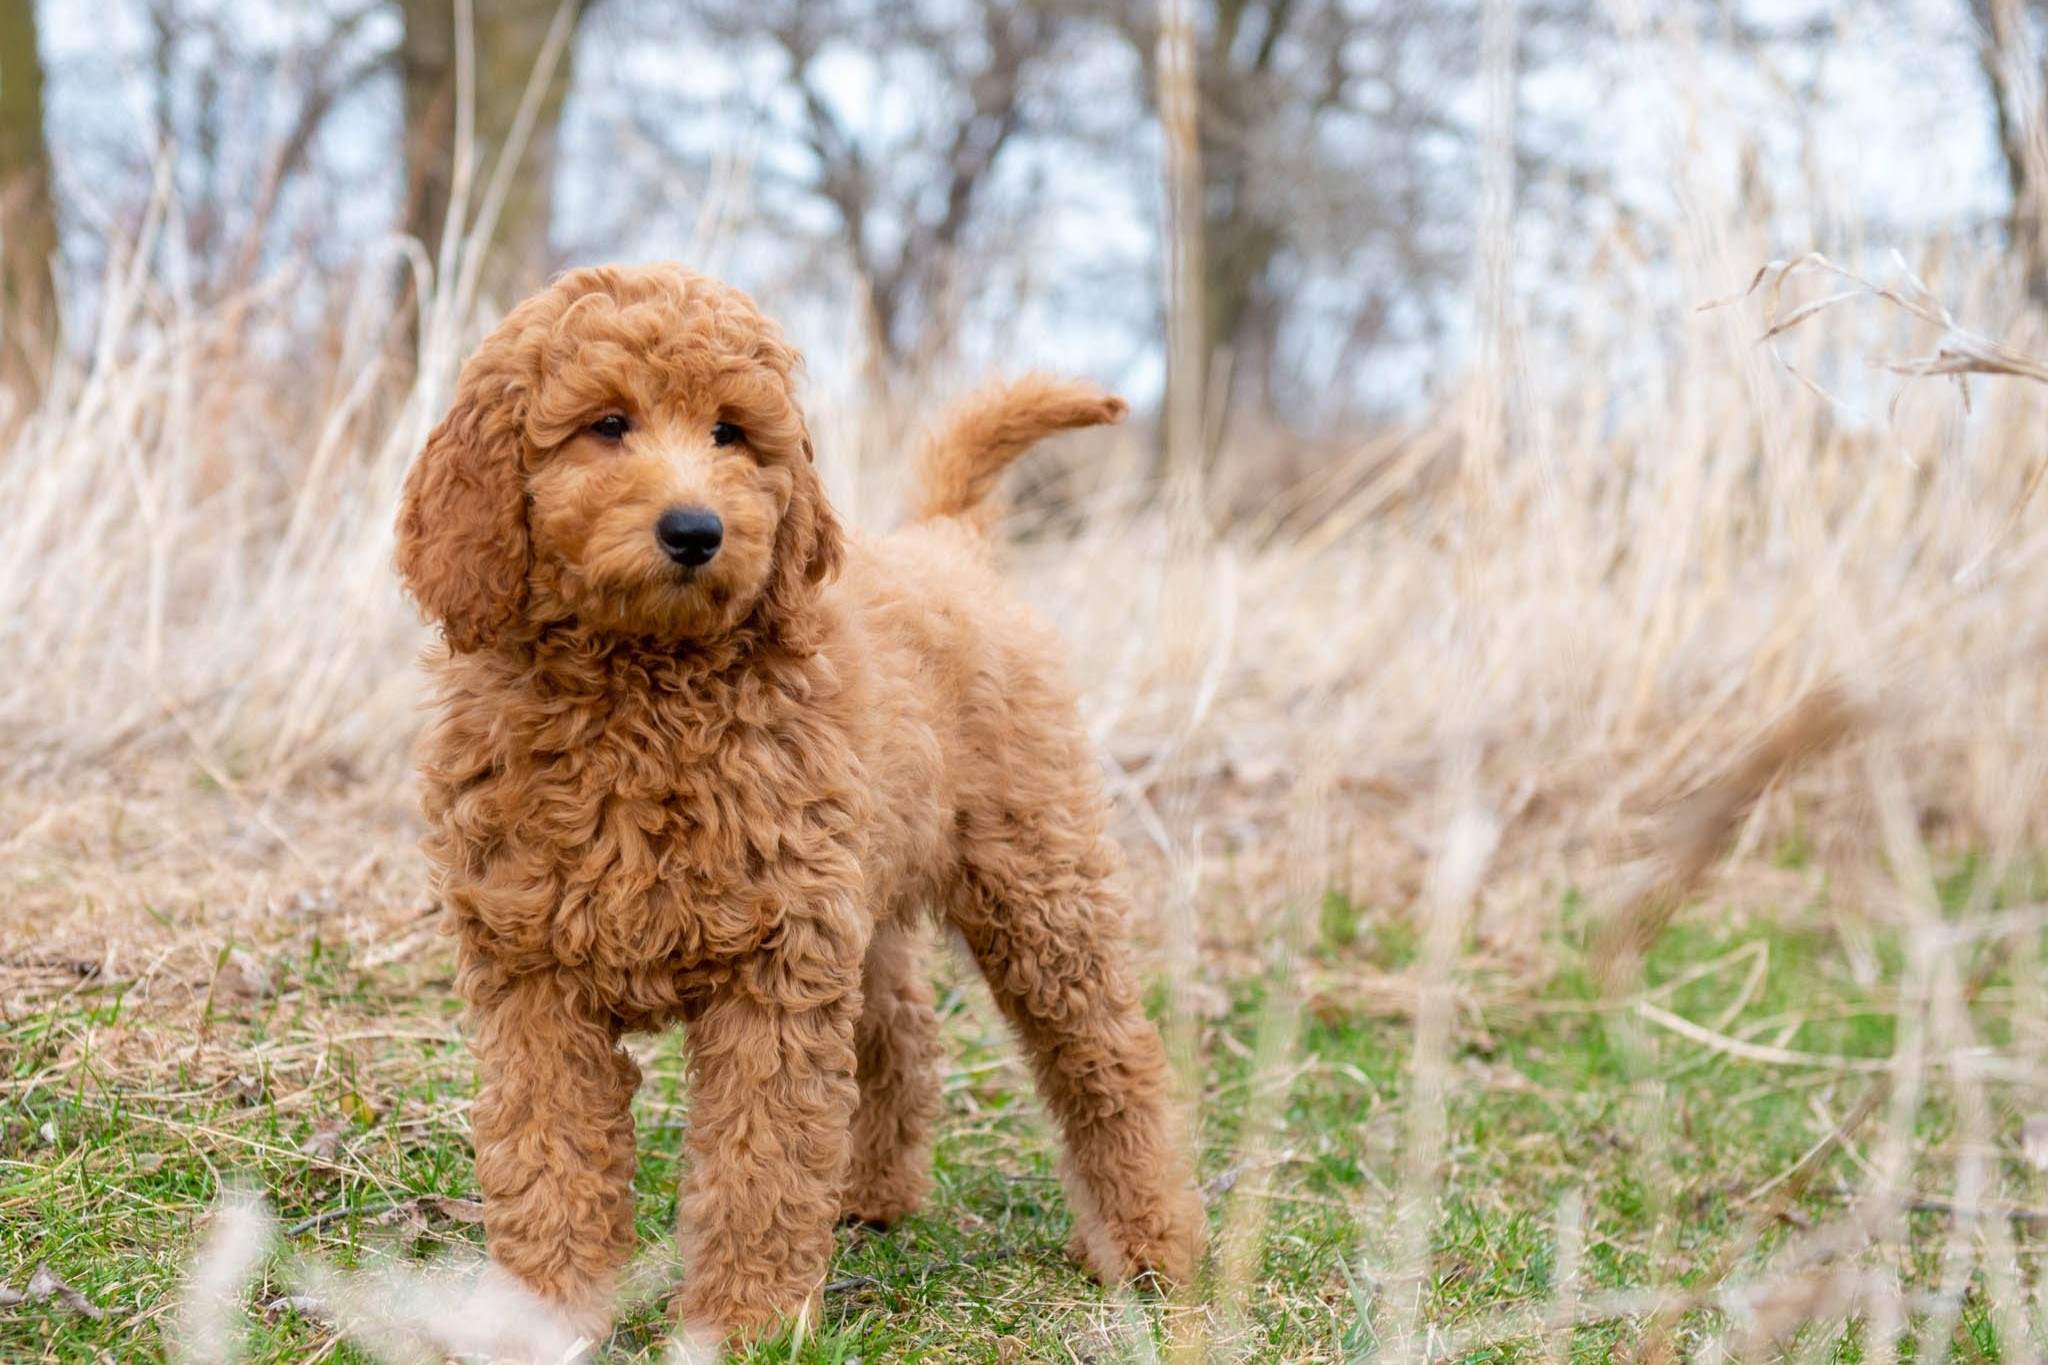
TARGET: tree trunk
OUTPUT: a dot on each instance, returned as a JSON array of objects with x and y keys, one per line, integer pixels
[
  {"x": 426, "y": 71},
  {"x": 1242, "y": 246},
  {"x": 2001, "y": 47},
  {"x": 510, "y": 36},
  {"x": 28, "y": 218}
]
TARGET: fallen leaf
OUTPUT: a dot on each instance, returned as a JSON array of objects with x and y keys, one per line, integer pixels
[
  {"x": 325, "y": 1139},
  {"x": 1224, "y": 1181},
  {"x": 459, "y": 1210},
  {"x": 409, "y": 1218},
  {"x": 242, "y": 975},
  {"x": 44, "y": 1284},
  {"x": 305, "y": 1305},
  {"x": 1495, "y": 1075}
]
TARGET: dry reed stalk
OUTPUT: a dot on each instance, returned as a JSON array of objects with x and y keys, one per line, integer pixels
[
  {"x": 1180, "y": 604},
  {"x": 1240, "y": 1239},
  {"x": 1469, "y": 838},
  {"x": 1179, "y": 103},
  {"x": 207, "y": 1327},
  {"x": 1696, "y": 828}
]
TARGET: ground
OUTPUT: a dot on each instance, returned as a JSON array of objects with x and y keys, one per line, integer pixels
[{"x": 324, "y": 1067}]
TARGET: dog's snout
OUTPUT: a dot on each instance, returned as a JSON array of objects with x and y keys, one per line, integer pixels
[{"x": 689, "y": 535}]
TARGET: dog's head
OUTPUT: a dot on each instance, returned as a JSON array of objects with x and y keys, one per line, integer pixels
[{"x": 625, "y": 452}]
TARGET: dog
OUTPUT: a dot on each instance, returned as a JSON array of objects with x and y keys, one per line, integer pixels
[{"x": 699, "y": 755}]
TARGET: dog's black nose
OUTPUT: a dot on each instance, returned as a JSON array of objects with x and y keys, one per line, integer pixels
[{"x": 689, "y": 535}]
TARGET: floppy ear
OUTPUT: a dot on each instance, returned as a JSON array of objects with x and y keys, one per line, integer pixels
[
  {"x": 463, "y": 547},
  {"x": 809, "y": 547},
  {"x": 821, "y": 546}
]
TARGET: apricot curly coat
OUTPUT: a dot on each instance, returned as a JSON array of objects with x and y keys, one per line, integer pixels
[{"x": 729, "y": 794}]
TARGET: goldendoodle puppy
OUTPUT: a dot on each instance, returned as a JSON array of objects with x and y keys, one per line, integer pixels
[{"x": 699, "y": 756}]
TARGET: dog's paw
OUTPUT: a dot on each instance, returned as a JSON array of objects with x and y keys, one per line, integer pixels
[
  {"x": 696, "y": 1346},
  {"x": 882, "y": 1203},
  {"x": 708, "y": 1325},
  {"x": 868, "y": 1220},
  {"x": 1158, "y": 1253}
]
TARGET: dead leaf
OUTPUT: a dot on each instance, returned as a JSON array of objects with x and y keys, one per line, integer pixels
[
  {"x": 243, "y": 976},
  {"x": 408, "y": 1218},
  {"x": 458, "y": 1210},
  {"x": 325, "y": 1139},
  {"x": 305, "y": 1305},
  {"x": 1492, "y": 1075},
  {"x": 1223, "y": 1182},
  {"x": 44, "y": 1284}
]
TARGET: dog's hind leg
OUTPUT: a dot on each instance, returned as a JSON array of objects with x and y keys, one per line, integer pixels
[
  {"x": 897, "y": 1056},
  {"x": 1039, "y": 909}
]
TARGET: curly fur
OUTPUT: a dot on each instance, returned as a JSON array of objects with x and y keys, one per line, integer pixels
[{"x": 731, "y": 797}]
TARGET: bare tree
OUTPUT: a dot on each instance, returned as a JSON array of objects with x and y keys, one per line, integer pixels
[
  {"x": 1335, "y": 164},
  {"x": 510, "y": 36},
  {"x": 28, "y": 216},
  {"x": 234, "y": 123},
  {"x": 2010, "y": 54},
  {"x": 1331, "y": 159},
  {"x": 335, "y": 69},
  {"x": 903, "y": 195}
]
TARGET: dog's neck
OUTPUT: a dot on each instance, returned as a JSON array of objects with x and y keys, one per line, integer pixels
[{"x": 569, "y": 652}]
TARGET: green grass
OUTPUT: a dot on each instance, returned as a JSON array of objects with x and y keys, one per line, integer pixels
[{"x": 122, "y": 1125}]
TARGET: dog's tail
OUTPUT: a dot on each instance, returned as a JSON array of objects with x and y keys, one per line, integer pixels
[{"x": 959, "y": 464}]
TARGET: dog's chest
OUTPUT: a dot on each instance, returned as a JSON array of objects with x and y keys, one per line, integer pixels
[{"x": 629, "y": 831}]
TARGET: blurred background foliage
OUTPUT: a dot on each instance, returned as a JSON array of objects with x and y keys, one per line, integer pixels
[{"x": 978, "y": 182}]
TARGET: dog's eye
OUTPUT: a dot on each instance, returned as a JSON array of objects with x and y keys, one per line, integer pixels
[
  {"x": 726, "y": 434},
  {"x": 610, "y": 427}
]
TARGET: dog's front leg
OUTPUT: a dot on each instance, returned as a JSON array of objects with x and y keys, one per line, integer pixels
[
  {"x": 771, "y": 1107},
  {"x": 553, "y": 1127}
]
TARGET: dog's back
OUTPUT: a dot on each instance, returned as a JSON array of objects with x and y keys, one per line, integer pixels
[{"x": 964, "y": 692}]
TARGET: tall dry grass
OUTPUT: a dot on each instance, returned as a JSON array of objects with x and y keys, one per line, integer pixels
[
  {"x": 1462, "y": 667},
  {"x": 1597, "y": 569}
]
